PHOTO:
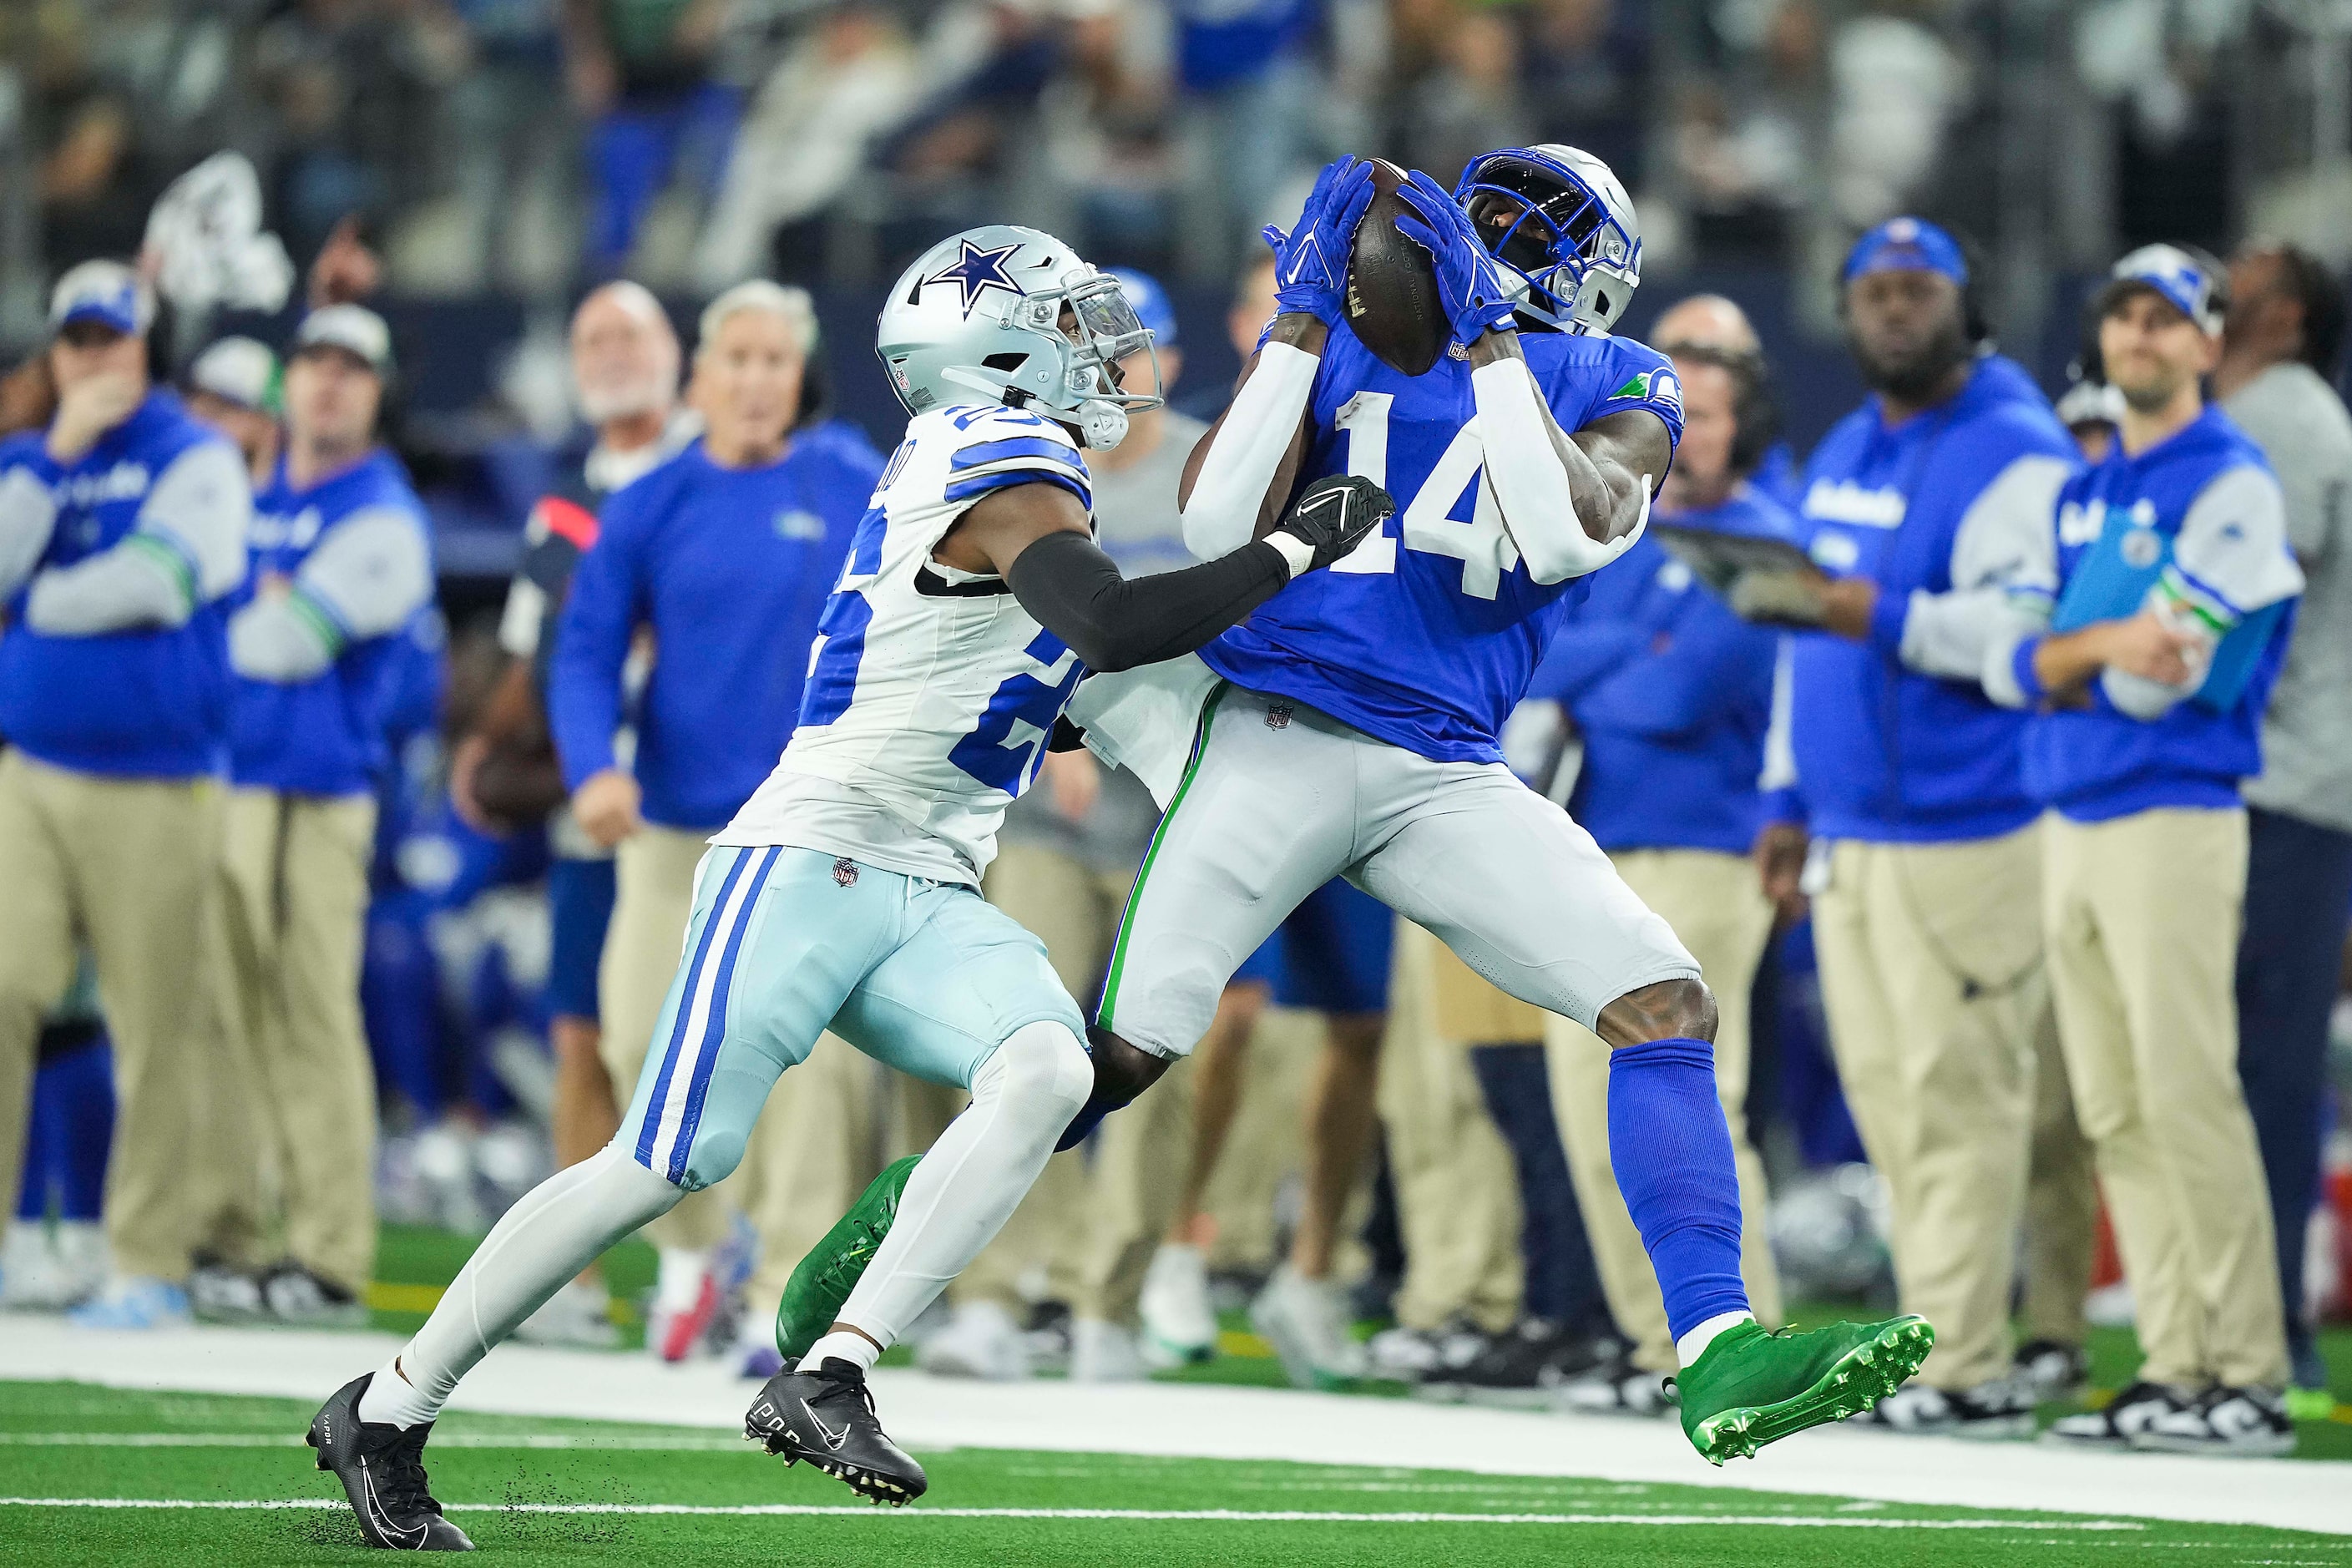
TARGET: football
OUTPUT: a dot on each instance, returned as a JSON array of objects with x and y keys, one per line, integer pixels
[{"x": 1392, "y": 303}]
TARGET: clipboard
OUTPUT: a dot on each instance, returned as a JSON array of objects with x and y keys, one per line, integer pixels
[
  {"x": 1720, "y": 559},
  {"x": 1757, "y": 576}
]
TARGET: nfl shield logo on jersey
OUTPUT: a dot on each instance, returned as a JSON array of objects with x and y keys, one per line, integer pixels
[{"x": 844, "y": 871}]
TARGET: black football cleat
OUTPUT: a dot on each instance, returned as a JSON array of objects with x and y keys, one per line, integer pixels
[
  {"x": 382, "y": 1468},
  {"x": 827, "y": 1417}
]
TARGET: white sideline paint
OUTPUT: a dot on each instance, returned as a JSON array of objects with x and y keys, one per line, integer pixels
[
  {"x": 1205, "y": 1515},
  {"x": 1205, "y": 1422}
]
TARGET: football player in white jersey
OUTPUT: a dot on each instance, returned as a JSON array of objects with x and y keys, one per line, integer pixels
[{"x": 846, "y": 894}]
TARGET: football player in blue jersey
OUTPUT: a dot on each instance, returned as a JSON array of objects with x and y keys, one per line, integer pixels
[{"x": 1349, "y": 726}]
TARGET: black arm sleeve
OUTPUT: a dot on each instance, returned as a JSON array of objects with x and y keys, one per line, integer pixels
[{"x": 1076, "y": 593}]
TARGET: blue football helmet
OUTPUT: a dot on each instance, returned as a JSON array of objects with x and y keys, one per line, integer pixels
[{"x": 1563, "y": 229}]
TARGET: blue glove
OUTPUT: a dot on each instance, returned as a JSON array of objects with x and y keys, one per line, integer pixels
[
  {"x": 1468, "y": 284},
  {"x": 1311, "y": 262}
]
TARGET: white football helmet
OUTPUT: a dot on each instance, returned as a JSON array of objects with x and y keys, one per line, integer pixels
[
  {"x": 1007, "y": 315},
  {"x": 1563, "y": 228}
]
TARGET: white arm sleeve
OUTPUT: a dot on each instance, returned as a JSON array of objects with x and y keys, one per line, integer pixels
[
  {"x": 365, "y": 578},
  {"x": 2231, "y": 559},
  {"x": 28, "y": 513},
  {"x": 1531, "y": 488},
  {"x": 2005, "y": 534},
  {"x": 204, "y": 503},
  {"x": 1221, "y": 514},
  {"x": 187, "y": 549},
  {"x": 372, "y": 572},
  {"x": 277, "y": 639}
]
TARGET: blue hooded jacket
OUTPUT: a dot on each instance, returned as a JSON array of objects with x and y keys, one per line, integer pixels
[{"x": 1884, "y": 752}]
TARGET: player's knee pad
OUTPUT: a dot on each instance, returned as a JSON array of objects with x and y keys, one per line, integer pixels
[{"x": 1041, "y": 1064}]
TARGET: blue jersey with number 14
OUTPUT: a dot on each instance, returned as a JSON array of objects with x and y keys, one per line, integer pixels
[{"x": 1426, "y": 636}]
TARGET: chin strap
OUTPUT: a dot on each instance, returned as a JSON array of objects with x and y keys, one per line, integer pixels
[{"x": 1101, "y": 426}]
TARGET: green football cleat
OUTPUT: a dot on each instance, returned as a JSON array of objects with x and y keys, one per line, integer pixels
[
  {"x": 813, "y": 1295},
  {"x": 1750, "y": 1387}
]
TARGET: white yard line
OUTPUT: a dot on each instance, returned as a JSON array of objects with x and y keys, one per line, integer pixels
[
  {"x": 1202, "y": 1421},
  {"x": 1205, "y": 1515}
]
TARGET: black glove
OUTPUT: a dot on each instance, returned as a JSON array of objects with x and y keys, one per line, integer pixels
[{"x": 1332, "y": 515}]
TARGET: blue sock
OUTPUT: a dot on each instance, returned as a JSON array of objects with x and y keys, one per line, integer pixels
[{"x": 1671, "y": 1151}]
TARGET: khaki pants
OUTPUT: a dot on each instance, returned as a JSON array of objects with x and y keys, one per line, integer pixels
[
  {"x": 126, "y": 866},
  {"x": 2062, "y": 1204},
  {"x": 2143, "y": 915},
  {"x": 1931, "y": 977},
  {"x": 1457, "y": 1190},
  {"x": 1717, "y": 907},
  {"x": 294, "y": 879},
  {"x": 795, "y": 1138}
]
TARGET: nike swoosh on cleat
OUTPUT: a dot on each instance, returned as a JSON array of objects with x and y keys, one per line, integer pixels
[
  {"x": 833, "y": 1439},
  {"x": 396, "y": 1534}
]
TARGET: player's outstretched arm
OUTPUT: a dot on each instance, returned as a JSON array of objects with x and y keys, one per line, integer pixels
[
  {"x": 1240, "y": 470},
  {"x": 1036, "y": 537},
  {"x": 1239, "y": 476},
  {"x": 1573, "y": 502}
]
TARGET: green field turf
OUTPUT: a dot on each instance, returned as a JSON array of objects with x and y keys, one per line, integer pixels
[
  {"x": 414, "y": 1263},
  {"x": 520, "y": 1487}
]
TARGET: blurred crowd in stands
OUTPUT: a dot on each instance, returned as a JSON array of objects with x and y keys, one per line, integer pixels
[{"x": 525, "y": 146}]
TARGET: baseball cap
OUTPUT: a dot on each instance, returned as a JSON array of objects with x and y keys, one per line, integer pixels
[
  {"x": 354, "y": 329},
  {"x": 1151, "y": 301},
  {"x": 104, "y": 291},
  {"x": 2194, "y": 286},
  {"x": 1905, "y": 245},
  {"x": 239, "y": 370}
]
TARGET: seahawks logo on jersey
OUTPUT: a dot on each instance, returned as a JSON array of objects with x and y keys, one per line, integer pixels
[{"x": 1658, "y": 385}]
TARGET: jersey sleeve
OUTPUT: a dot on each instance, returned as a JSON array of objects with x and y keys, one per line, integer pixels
[
  {"x": 1008, "y": 446},
  {"x": 1634, "y": 376}
]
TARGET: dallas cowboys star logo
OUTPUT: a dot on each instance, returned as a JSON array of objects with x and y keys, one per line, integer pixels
[{"x": 976, "y": 270}]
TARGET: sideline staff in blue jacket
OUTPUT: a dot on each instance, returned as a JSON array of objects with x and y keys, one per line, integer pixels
[
  {"x": 2172, "y": 579},
  {"x": 1672, "y": 693},
  {"x": 122, "y": 527},
  {"x": 340, "y": 562},
  {"x": 725, "y": 555},
  {"x": 1931, "y": 969}
]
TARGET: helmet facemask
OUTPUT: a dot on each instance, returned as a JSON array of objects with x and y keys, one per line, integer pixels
[
  {"x": 1570, "y": 262},
  {"x": 1090, "y": 327}
]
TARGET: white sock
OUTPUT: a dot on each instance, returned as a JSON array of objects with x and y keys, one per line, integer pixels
[
  {"x": 390, "y": 1399},
  {"x": 846, "y": 1346},
  {"x": 677, "y": 1277},
  {"x": 964, "y": 1190},
  {"x": 555, "y": 1231},
  {"x": 1693, "y": 1345}
]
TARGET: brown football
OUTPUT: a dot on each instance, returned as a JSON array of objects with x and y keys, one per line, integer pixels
[{"x": 1392, "y": 302}]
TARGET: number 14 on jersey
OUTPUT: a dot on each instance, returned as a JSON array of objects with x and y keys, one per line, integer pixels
[{"x": 1482, "y": 544}]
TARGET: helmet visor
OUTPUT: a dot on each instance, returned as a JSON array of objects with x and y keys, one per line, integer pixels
[{"x": 1102, "y": 326}]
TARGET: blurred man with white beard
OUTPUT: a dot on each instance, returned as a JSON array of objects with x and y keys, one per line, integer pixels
[{"x": 624, "y": 372}]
